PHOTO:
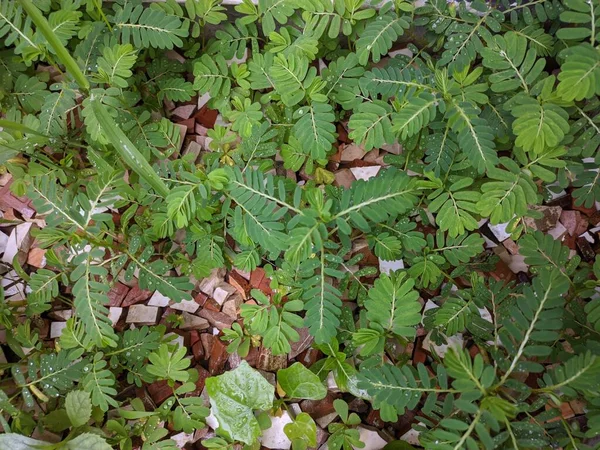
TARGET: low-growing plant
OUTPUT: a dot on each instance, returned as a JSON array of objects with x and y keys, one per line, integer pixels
[{"x": 487, "y": 111}]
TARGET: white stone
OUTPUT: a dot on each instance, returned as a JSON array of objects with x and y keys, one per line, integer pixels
[
  {"x": 142, "y": 314},
  {"x": 394, "y": 148},
  {"x": 3, "y": 242},
  {"x": 324, "y": 421},
  {"x": 211, "y": 420},
  {"x": 455, "y": 341},
  {"x": 208, "y": 284},
  {"x": 390, "y": 266},
  {"x": 18, "y": 240},
  {"x": 114, "y": 314},
  {"x": 192, "y": 322},
  {"x": 488, "y": 242},
  {"x": 181, "y": 439},
  {"x": 517, "y": 264},
  {"x": 402, "y": 51},
  {"x": 56, "y": 329},
  {"x": 185, "y": 305},
  {"x": 588, "y": 237},
  {"x": 230, "y": 308},
  {"x": 499, "y": 231},
  {"x": 485, "y": 314},
  {"x": 331, "y": 384},
  {"x": 158, "y": 299},
  {"x": 62, "y": 314},
  {"x": 203, "y": 100},
  {"x": 371, "y": 439},
  {"x": 364, "y": 173},
  {"x": 430, "y": 305},
  {"x": 175, "y": 339},
  {"x": 558, "y": 231},
  {"x": 222, "y": 292},
  {"x": 237, "y": 60},
  {"x": 13, "y": 286},
  {"x": 411, "y": 436},
  {"x": 274, "y": 437}
]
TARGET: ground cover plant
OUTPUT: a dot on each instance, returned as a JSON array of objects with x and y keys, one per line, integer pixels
[{"x": 297, "y": 224}]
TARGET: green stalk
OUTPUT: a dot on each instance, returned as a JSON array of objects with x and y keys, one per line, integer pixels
[
  {"x": 125, "y": 148},
  {"x": 61, "y": 52}
]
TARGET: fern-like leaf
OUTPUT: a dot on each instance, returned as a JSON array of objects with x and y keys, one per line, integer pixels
[
  {"x": 475, "y": 136},
  {"x": 148, "y": 27},
  {"x": 415, "y": 115},
  {"x": 394, "y": 304},
  {"x": 388, "y": 195},
  {"x": 513, "y": 64},
  {"x": 508, "y": 195},
  {"x": 379, "y": 35},
  {"x": 371, "y": 125},
  {"x": 91, "y": 298},
  {"x": 579, "y": 76},
  {"x": 212, "y": 76},
  {"x": 315, "y": 129},
  {"x": 539, "y": 126},
  {"x": 114, "y": 66}
]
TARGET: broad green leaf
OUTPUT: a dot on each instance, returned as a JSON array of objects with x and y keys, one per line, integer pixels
[
  {"x": 299, "y": 382},
  {"x": 233, "y": 398},
  {"x": 79, "y": 407},
  {"x": 302, "y": 432}
]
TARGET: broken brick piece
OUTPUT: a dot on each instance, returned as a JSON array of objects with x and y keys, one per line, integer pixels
[
  {"x": 117, "y": 293},
  {"x": 135, "y": 295}
]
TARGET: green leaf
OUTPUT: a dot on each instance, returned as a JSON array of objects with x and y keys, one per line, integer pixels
[
  {"x": 54, "y": 40},
  {"x": 514, "y": 66},
  {"x": 539, "y": 126},
  {"x": 88, "y": 441},
  {"x": 54, "y": 114},
  {"x": 114, "y": 66},
  {"x": 454, "y": 206},
  {"x": 30, "y": 92},
  {"x": 370, "y": 124},
  {"x": 233, "y": 398},
  {"x": 415, "y": 115},
  {"x": 79, "y": 407},
  {"x": 507, "y": 194},
  {"x": 378, "y": 36},
  {"x": 315, "y": 129},
  {"x": 211, "y": 75},
  {"x": 91, "y": 298},
  {"x": 15, "y": 441},
  {"x": 475, "y": 136},
  {"x": 291, "y": 77},
  {"x": 127, "y": 150},
  {"x": 148, "y": 27},
  {"x": 579, "y": 77},
  {"x": 302, "y": 432},
  {"x": 275, "y": 10},
  {"x": 299, "y": 382},
  {"x": 394, "y": 304},
  {"x": 166, "y": 365},
  {"x": 176, "y": 90}
]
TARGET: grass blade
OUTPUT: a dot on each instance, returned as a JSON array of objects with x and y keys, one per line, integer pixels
[{"x": 125, "y": 148}]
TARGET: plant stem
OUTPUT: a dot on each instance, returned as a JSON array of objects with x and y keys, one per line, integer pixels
[{"x": 61, "y": 52}]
